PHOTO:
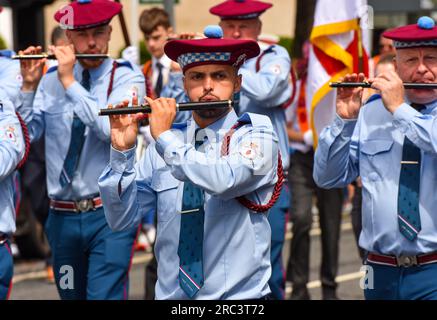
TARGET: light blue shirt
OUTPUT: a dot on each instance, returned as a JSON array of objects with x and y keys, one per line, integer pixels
[
  {"x": 236, "y": 247},
  {"x": 264, "y": 92},
  {"x": 52, "y": 114},
  {"x": 11, "y": 153},
  {"x": 371, "y": 147},
  {"x": 10, "y": 78}
]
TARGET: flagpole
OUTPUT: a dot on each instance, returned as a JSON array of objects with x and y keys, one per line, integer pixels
[{"x": 360, "y": 47}]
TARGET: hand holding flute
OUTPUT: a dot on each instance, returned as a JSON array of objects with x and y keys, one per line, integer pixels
[
  {"x": 389, "y": 85},
  {"x": 348, "y": 101},
  {"x": 124, "y": 128},
  {"x": 31, "y": 70},
  {"x": 391, "y": 88},
  {"x": 66, "y": 60}
]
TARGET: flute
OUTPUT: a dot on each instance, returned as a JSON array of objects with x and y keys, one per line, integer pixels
[
  {"x": 188, "y": 106},
  {"x": 407, "y": 85},
  {"x": 53, "y": 57}
]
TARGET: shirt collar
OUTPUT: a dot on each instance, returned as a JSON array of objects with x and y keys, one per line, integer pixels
[
  {"x": 164, "y": 60},
  {"x": 219, "y": 127},
  {"x": 98, "y": 72},
  {"x": 431, "y": 106}
]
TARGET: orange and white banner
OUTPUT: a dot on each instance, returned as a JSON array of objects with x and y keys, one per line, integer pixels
[{"x": 339, "y": 45}]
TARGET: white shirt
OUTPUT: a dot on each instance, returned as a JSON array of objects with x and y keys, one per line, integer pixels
[{"x": 166, "y": 63}]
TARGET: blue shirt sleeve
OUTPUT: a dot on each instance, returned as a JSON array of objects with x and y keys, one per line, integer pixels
[
  {"x": 11, "y": 140},
  {"x": 126, "y": 190},
  {"x": 11, "y": 79},
  {"x": 420, "y": 128},
  {"x": 336, "y": 157},
  {"x": 270, "y": 85},
  {"x": 29, "y": 107},
  {"x": 251, "y": 163}
]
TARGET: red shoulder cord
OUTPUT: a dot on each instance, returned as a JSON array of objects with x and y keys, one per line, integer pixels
[
  {"x": 111, "y": 80},
  {"x": 278, "y": 186},
  {"x": 26, "y": 141}
]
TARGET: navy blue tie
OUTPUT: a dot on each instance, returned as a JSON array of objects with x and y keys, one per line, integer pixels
[
  {"x": 409, "y": 190},
  {"x": 159, "y": 80},
  {"x": 190, "y": 250},
  {"x": 76, "y": 142}
]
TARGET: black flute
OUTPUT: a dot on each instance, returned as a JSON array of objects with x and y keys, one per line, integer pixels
[
  {"x": 407, "y": 85},
  {"x": 53, "y": 57},
  {"x": 188, "y": 106}
]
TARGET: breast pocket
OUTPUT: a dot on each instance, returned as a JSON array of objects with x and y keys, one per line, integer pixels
[
  {"x": 165, "y": 186},
  {"x": 376, "y": 159}
]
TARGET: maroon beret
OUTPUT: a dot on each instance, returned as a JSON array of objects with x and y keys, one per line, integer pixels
[
  {"x": 83, "y": 14},
  {"x": 421, "y": 34},
  {"x": 211, "y": 50},
  {"x": 240, "y": 9}
]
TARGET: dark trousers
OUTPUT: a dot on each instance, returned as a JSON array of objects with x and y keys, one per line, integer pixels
[
  {"x": 356, "y": 217},
  {"x": 6, "y": 270},
  {"x": 151, "y": 277},
  {"x": 329, "y": 203},
  {"x": 277, "y": 220},
  {"x": 90, "y": 261},
  {"x": 151, "y": 271},
  {"x": 393, "y": 283}
]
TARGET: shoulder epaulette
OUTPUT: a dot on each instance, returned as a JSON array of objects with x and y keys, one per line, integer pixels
[
  {"x": 180, "y": 125},
  {"x": 51, "y": 69},
  {"x": 373, "y": 97},
  {"x": 124, "y": 63}
]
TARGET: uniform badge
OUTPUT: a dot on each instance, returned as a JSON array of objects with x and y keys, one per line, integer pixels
[
  {"x": 10, "y": 134},
  {"x": 134, "y": 92},
  {"x": 250, "y": 150}
]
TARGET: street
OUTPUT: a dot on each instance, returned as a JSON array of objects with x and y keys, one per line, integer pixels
[{"x": 30, "y": 277}]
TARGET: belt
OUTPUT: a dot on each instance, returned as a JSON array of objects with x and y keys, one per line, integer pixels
[
  {"x": 402, "y": 261},
  {"x": 79, "y": 206}
]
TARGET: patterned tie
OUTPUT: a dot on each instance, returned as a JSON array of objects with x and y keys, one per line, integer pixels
[
  {"x": 76, "y": 142},
  {"x": 409, "y": 187},
  {"x": 190, "y": 250},
  {"x": 159, "y": 81}
]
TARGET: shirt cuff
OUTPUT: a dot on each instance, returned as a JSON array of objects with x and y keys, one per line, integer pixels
[
  {"x": 122, "y": 161},
  {"x": 403, "y": 116},
  {"x": 343, "y": 126},
  {"x": 166, "y": 142}
]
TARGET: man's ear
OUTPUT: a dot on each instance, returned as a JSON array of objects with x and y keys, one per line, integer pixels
[
  {"x": 260, "y": 27},
  {"x": 170, "y": 30},
  {"x": 109, "y": 31},
  {"x": 68, "y": 34}
]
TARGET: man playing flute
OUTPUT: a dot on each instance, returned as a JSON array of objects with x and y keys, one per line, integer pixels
[
  {"x": 391, "y": 142},
  {"x": 90, "y": 261},
  {"x": 209, "y": 245}
]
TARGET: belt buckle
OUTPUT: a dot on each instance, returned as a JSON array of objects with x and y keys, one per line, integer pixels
[
  {"x": 406, "y": 261},
  {"x": 84, "y": 205}
]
